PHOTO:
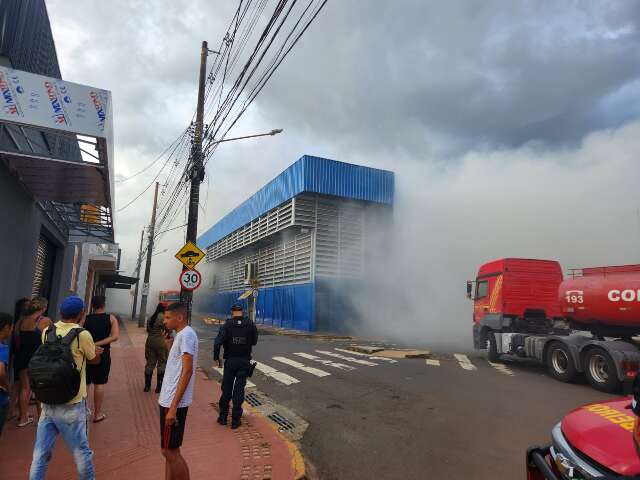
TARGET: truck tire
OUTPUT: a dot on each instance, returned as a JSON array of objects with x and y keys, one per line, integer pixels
[
  {"x": 492, "y": 346},
  {"x": 560, "y": 362},
  {"x": 600, "y": 371}
]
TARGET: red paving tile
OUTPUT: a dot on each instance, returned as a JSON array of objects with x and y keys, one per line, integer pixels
[{"x": 126, "y": 444}]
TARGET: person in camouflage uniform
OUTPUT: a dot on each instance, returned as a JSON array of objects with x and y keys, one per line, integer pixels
[{"x": 155, "y": 349}]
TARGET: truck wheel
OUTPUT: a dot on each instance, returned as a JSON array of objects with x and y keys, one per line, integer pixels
[
  {"x": 492, "y": 347},
  {"x": 560, "y": 363},
  {"x": 600, "y": 370}
]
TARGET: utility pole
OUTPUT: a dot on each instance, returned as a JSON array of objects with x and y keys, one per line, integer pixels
[
  {"x": 138, "y": 264},
  {"x": 147, "y": 269},
  {"x": 197, "y": 169}
]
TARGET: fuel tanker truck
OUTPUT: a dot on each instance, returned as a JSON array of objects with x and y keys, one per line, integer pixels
[{"x": 582, "y": 324}]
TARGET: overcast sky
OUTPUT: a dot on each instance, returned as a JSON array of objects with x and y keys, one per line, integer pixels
[{"x": 457, "y": 97}]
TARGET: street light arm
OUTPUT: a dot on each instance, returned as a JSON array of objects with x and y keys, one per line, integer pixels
[{"x": 215, "y": 142}]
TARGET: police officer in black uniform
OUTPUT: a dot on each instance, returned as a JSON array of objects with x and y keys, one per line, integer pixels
[{"x": 238, "y": 335}]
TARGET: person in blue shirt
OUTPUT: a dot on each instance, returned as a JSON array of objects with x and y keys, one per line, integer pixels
[{"x": 6, "y": 326}]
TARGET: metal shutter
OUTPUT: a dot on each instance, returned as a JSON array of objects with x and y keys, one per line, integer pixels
[{"x": 45, "y": 257}]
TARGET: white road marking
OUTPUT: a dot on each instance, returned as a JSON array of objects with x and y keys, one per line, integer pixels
[
  {"x": 372, "y": 357},
  {"x": 502, "y": 368},
  {"x": 329, "y": 363},
  {"x": 348, "y": 359},
  {"x": 300, "y": 366},
  {"x": 464, "y": 361},
  {"x": 250, "y": 384},
  {"x": 432, "y": 362},
  {"x": 276, "y": 375}
]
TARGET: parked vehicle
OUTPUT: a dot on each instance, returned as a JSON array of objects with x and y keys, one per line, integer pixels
[
  {"x": 594, "y": 441},
  {"x": 584, "y": 323},
  {"x": 167, "y": 297}
]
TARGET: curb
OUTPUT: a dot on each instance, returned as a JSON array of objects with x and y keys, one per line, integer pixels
[
  {"x": 284, "y": 332},
  {"x": 297, "y": 460}
]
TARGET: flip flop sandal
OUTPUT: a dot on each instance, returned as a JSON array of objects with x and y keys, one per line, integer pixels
[
  {"x": 99, "y": 418},
  {"x": 28, "y": 421}
]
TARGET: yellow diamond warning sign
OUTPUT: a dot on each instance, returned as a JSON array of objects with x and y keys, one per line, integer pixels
[{"x": 190, "y": 255}]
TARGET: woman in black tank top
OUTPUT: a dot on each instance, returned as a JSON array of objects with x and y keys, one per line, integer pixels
[{"x": 104, "y": 329}]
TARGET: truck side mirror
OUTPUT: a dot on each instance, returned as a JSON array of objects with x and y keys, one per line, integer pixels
[{"x": 470, "y": 290}]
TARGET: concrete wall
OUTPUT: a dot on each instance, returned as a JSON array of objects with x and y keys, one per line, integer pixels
[{"x": 22, "y": 220}]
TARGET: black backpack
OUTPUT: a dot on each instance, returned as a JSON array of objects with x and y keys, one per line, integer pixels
[{"x": 53, "y": 375}]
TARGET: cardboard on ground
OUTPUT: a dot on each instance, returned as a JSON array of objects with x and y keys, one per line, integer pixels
[{"x": 190, "y": 255}]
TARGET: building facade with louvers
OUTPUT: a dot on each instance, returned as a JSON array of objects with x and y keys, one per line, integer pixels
[{"x": 308, "y": 236}]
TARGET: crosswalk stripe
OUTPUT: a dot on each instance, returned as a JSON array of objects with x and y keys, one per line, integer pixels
[
  {"x": 250, "y": 384},
  {"x": 300, "y": 366},
  {"x": 502, "y": 368},
  {"x": 348, "y": 359},
  {"x": 372, "y": 357},
  {"x": 276, "y": 375},
  {"x": 432, "y": 362},
  {"x": 329, "y": 363},
  {"x": 464, "y": 361}
]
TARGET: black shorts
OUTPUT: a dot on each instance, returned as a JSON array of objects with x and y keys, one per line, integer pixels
[
  {"x": 171, "y": 435},
  {"x": 99, "y": 374}
]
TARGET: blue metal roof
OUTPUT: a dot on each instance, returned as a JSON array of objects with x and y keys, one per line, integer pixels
[{"x": 308, "y": 174}]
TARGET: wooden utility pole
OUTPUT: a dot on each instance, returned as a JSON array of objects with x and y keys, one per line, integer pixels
[
  {"x": 147, "y": 269},
  {"x": 138, "y": 265},
  {"x": 197, "y": 168}
]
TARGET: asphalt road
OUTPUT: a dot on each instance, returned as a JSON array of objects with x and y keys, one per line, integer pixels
[{"x": 409, "y": 419}]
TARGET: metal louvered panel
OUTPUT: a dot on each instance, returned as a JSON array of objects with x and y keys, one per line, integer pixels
[
  {"x": 339, "y": 238},
  {"x": 272, "y": 222},
  {"x": 287, "y": 262}
]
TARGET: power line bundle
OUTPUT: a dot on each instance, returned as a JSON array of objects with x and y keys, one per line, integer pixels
[{"x": 235, "y": 79}]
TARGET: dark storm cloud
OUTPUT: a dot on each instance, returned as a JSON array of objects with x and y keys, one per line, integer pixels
[{"x": 458, "y": 75}]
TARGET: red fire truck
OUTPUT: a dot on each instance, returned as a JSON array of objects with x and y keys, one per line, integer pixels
[
  {"x": 583, "y": 323},
  {"x": 167, "y": 297}
]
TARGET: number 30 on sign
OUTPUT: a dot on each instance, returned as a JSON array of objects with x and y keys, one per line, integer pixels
[{"x": 190, "y": 279}]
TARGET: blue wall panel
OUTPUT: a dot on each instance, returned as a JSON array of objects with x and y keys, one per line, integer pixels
[
  {"x": 308, "y": 174},
  {"x": 289, "y": 306}
]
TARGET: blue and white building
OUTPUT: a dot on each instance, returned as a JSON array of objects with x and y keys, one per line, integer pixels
[{"x": 308, "y": 235}]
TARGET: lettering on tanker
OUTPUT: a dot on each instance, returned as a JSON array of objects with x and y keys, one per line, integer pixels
[
  {"x": 574, "y": 296},
  {"x": 624, "y": 295}
]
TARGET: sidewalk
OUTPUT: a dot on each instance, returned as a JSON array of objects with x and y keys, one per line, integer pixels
[{"x": 127, "y": 443}]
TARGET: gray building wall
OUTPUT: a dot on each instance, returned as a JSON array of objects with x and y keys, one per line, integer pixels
[{"x": 22, "y": 222}]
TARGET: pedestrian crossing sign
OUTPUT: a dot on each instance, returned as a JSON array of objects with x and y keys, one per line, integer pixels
[{"x": 190, "y": 255}]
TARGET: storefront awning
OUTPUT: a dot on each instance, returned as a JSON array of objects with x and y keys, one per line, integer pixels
[
  {"x": 56, "y": 137},
  {"x": 118, "y": 281}
]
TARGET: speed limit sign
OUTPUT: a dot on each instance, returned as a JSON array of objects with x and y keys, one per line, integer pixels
[{"x": 190, "y": 279}]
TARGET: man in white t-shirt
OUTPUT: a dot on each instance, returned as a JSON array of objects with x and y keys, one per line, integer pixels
[{"x": 177, "y": 390}]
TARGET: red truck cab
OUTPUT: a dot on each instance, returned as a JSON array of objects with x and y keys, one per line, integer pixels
[
  {"x": 167, "y": 297},
  {"x": 593, "y": 441},
  {"x": 514, "y": 295}
]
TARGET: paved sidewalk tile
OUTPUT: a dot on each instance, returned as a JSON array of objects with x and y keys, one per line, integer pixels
[{"x": 127, "y": 443}]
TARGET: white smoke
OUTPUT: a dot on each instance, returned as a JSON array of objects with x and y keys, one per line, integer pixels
[{"x": 578, "y": 206}]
